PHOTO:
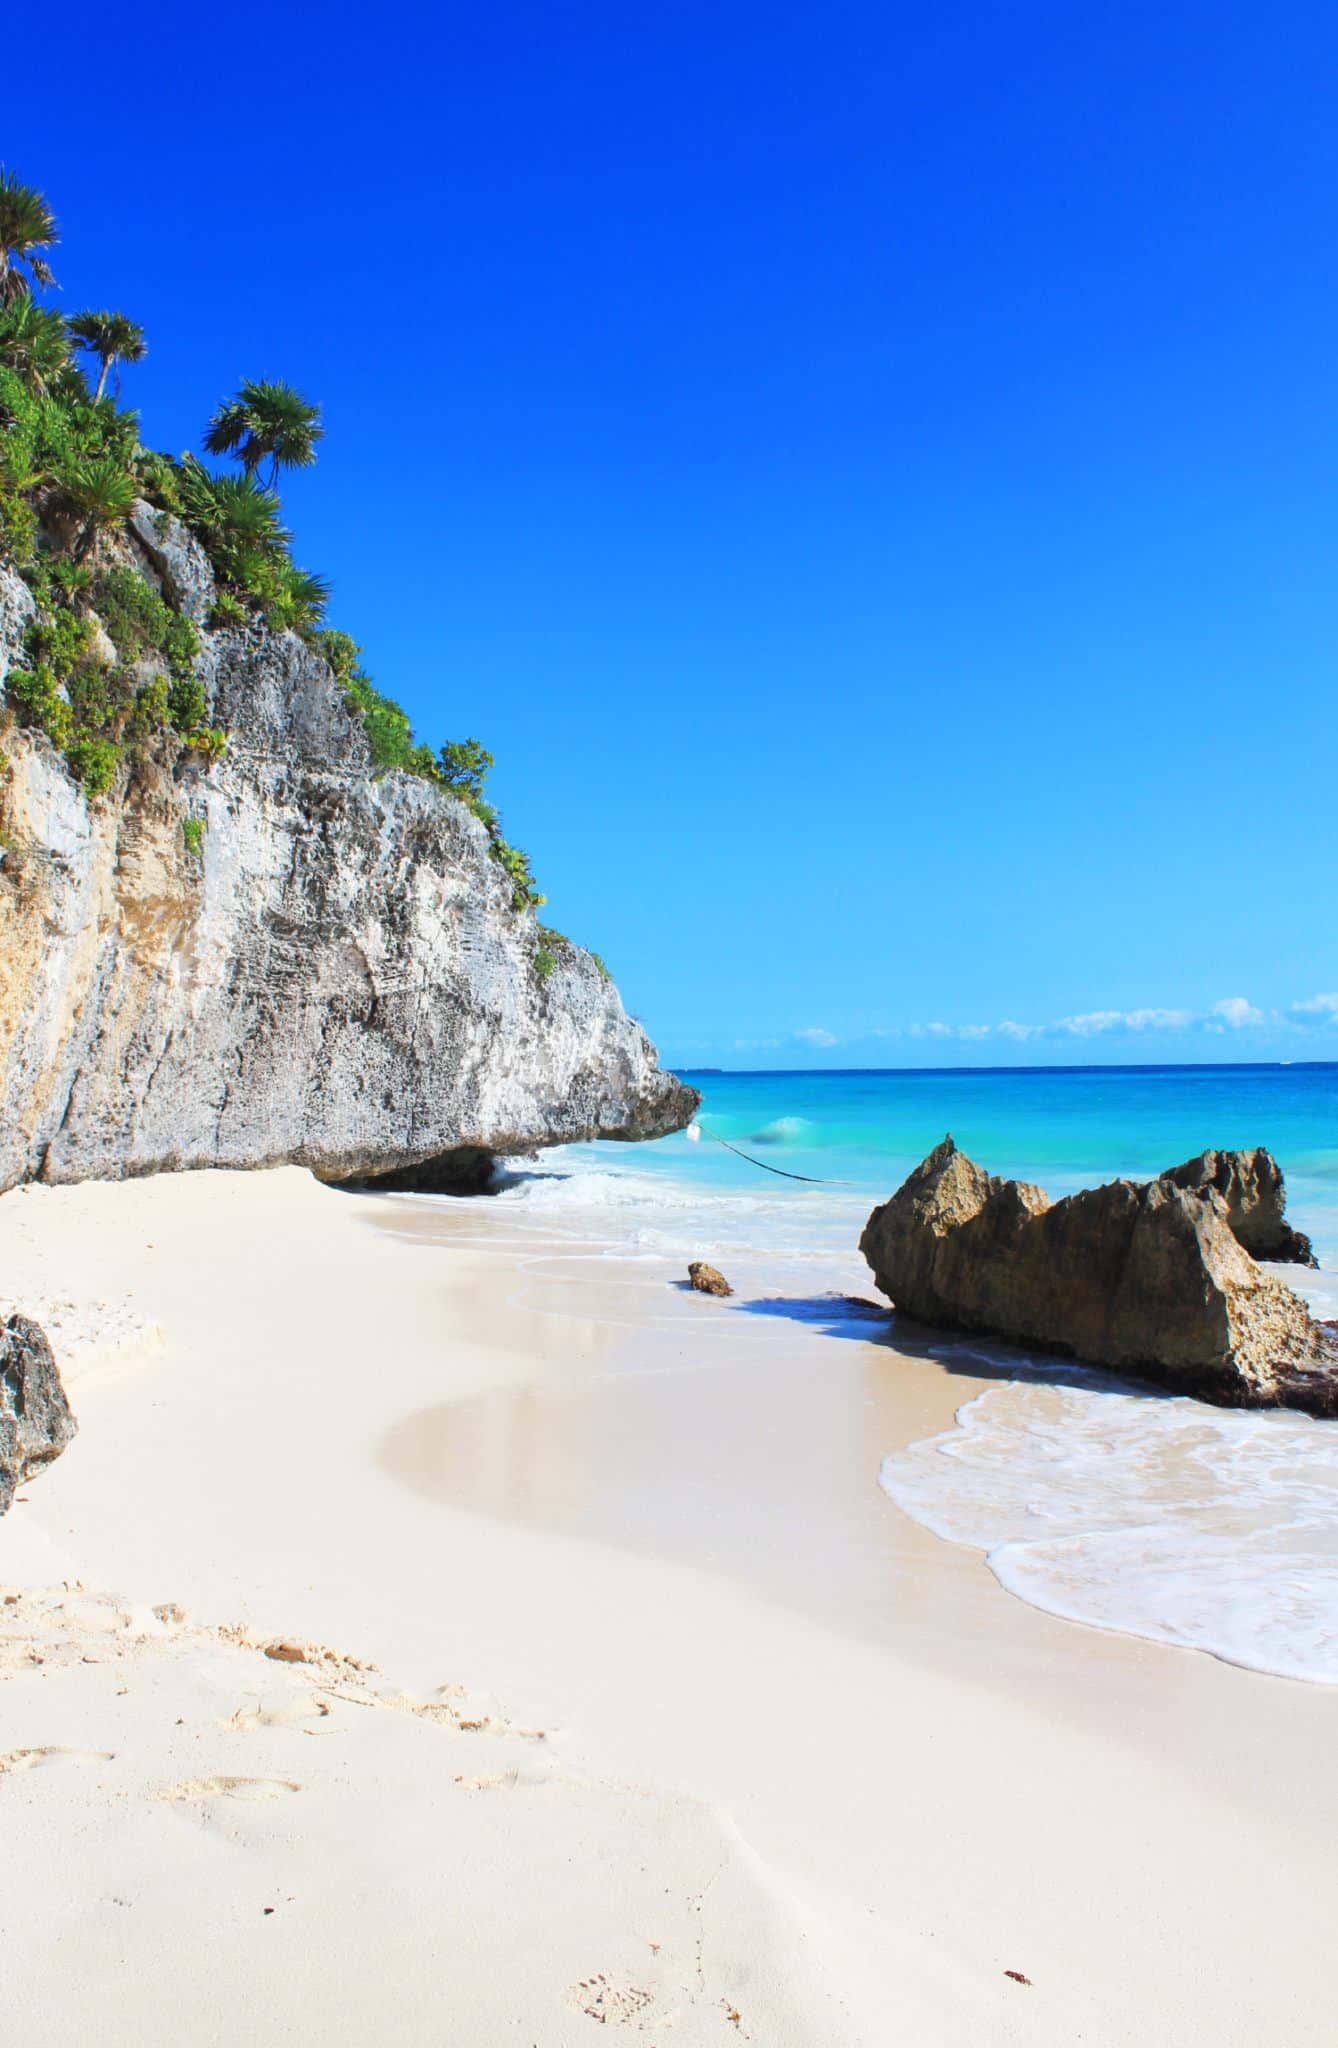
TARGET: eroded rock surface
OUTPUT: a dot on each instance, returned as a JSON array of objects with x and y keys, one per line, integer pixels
[
  {"x": 35, "y": 1419},
  {"x": 16, "y": 613},
  {"x": 179, "y": 564},
  {"x": 326, "y": 970},
  {"x": 1251, "y": 1185},
  {"x": 1144, "y": 1278}
]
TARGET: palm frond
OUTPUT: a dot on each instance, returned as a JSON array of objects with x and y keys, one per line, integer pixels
[
  {"x": 267, "y": 421},
  {"x": 236, "y": 518},
  {"x": 27, "y": 225},
  {"x": 301, "y": 601},
  {"x": 100, "y": 489},
  {"x": 33, "y": 342},
  {"x": 228, "y": 428},
  {"x": 109, "y": 334}
]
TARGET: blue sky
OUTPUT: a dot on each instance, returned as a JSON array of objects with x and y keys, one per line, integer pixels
[{"x": 870, "y": 473}]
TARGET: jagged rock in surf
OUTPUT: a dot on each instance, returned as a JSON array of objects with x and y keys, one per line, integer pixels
[
  {"x": 1144, "y": 1278},
  {"x": 704, "y": 1279}
]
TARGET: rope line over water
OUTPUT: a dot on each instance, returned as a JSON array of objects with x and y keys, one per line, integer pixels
[{"x": 810, "y": 1180}]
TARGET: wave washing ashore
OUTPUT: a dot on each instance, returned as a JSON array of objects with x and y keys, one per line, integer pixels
[{"x": 1091, "y": 1498}]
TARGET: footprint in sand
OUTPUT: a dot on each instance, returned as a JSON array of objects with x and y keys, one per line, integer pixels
[
  {"x": 41, "y": 1759},
  {"x": 611, "y": 2004},
  {"x": 304, "y": 1712},
  {"x": 225, "y": 1787},
  {"x": 508, "y": 1780}
]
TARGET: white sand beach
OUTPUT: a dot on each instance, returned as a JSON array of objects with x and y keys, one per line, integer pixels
[{"x": 440, "y": 1635}]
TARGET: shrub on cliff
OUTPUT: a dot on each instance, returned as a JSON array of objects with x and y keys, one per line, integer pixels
[
  {"x": 461, "y": 767},
  {"x": 90, "y": 705}
]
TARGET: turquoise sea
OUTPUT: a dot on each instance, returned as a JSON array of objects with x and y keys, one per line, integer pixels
[
  {"x": 1101, "y": 1501},
  {"x": 854, "y": 1136},
  {"x": 1065, "y": 1127}
]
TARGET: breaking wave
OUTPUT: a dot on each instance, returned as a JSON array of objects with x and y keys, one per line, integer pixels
[
  {"x": 1211, "y": 1529},
  {"x": 627, "y": 1210},
  {"x": 782, "y": 1130}
]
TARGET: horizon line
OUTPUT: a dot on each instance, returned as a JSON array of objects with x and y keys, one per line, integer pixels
[{"x": 1041, "y": 1067}]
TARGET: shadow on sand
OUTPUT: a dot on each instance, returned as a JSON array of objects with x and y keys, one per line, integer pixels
[{"x": 967, "y": 1356}]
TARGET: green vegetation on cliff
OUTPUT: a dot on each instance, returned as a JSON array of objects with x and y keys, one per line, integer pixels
[{"x": 110, "y": 666}]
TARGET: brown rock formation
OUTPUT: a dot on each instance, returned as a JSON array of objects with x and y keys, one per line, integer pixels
[{"x": 1148, "y": 1279}]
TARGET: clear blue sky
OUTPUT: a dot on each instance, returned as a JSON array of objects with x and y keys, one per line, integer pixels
[{"x": 870, "y": 473}]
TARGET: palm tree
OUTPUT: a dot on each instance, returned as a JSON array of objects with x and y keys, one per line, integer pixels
[
  {"x": 112, "y": 338},
  {"x": 266, "y": 422},
  {"x": 33, "y": 342},
  {"x": 27, "y": 224},
  {"x": 231, "y": 511},
  {"x": 302, "y": 599},
  {"x": 239, "y": 522},
  {"x": 102, "y": 492}
]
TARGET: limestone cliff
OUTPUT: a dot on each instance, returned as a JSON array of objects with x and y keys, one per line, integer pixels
[{"x": 282, "y": 956}]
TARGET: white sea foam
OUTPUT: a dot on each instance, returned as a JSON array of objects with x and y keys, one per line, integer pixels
[
  {"x": 629, "y": 1210},
  {"x": 1208, "y": 1528}
]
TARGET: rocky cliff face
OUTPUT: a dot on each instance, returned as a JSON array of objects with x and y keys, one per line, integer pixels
[{"x": 324, "y": 968}]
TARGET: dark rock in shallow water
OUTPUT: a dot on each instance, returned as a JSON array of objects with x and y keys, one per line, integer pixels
[
  {"x": 705, "y": 1279},
  {"x": 1251, "y": 1185},
  {"x": 1148, "y": 1279},
  {"x": 35, "y": 1419}
]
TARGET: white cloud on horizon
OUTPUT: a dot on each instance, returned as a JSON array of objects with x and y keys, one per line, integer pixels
[
  {"x": 1238, "y": 1013},
  {"x": 1232, "y": 1013},
  {"x": 1093, "y": 1022},
  {"x": 1084, "y": 1024},
  {"x": 811, "y": 1034}
]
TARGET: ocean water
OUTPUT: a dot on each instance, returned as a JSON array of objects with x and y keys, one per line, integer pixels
[
  {"x": 859, "y": 1135},
  {"x": 1090, "y": 1498}
]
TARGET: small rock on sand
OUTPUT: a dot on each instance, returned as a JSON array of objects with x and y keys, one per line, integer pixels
[{"x": 707, "y": 1280}]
